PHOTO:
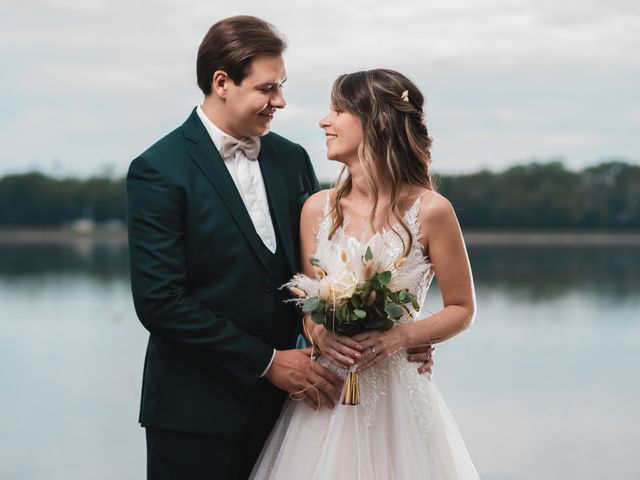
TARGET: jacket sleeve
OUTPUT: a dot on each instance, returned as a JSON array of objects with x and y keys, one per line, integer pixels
[{"x": 155, "y": 219}]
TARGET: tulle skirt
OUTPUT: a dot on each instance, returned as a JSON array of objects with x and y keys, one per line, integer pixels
[{"x": 401, "y": 430}]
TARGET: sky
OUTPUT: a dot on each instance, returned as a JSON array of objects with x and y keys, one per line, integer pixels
[{"x": 87, "y": 85}]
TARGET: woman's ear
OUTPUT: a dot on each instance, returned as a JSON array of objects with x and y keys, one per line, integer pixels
[{"x": 382, "y": 121}]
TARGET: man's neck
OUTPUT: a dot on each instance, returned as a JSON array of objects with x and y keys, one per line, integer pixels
[{"x": 213, "y": 113}]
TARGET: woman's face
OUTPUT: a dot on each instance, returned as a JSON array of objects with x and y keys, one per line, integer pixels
[{"x": 344, "y": 135}]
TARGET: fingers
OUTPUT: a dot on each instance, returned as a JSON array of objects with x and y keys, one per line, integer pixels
[
  {"x": 421, "y": 349},
  {"x": 426, "y": 367},
  {"x": 310, "y": 396},
  {"x": 313, "y": 396},
  {"x": 350, "y": 343},
  {"x": 348, "y": 355},
  {"x": 363, "y": 336},
  {"x": 327, "y": 381},
  {"x": 419, "y": 357},
  {"x": 338, "y": 359},
  {"x": 321, "y": 393},
  {"x": 371, "y": 360},
  {"x": 307, "y": 351},
  {"x": 423, "y": 355},
  {"x": 368, "y": 342}
]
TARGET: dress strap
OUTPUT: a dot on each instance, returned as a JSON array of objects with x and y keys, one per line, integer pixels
[
  {"x": 327, "y": 199},
  {"x": 325, "y": 223},
  {"x": 411, "y": 217}
]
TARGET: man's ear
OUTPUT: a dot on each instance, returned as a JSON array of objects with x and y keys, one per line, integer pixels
[{"x": 219, "y": 83}]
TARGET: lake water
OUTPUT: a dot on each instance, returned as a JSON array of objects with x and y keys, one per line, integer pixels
[{"x": 543, "y": 386}]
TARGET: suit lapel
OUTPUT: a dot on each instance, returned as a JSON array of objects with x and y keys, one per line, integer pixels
[
  {"x": 206, "y": 156},
  {"x": 276, "y": 187}
]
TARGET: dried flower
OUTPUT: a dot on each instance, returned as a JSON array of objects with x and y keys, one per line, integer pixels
[
  {"x": 319, "y": 271},
  {"x": 368, "y": 269},
  {"x": 298, "y": 292},
  {"x": 371, "y": 298}
]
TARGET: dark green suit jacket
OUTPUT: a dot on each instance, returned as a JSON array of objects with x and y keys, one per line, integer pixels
[{"x": 200, "y": 280}]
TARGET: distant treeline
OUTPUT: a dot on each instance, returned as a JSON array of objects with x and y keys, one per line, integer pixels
[{"x": 531, "y": 196}]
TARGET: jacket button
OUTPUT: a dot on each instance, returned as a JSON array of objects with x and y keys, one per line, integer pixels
[{"x": 268, "y": 288}]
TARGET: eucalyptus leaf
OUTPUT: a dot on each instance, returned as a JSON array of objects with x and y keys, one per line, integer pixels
[
  {"x": 384, "y": 277},
  {"x": 310, "y": 304},
  {"x": 414, "y": 303},
  {"x": 360, "y": 313},
  {"x": 368, "y": 255},
  {"x": 393, "y": 310},
  {"x": 318, "y": 317},
  {"x": 387, "y": 324},
  {"x": 406, "y": 296}
]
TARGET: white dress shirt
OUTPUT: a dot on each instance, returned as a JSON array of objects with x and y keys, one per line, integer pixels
[{"x": 247, "y": 176}]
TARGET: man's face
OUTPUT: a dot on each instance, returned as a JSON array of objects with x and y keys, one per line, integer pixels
[{"x": 250, "y": 106}]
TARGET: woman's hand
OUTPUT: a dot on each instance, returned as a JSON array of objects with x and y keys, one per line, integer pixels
[
  {"x": 379, "y": 346},
  {"x": 343, "y": 352}
]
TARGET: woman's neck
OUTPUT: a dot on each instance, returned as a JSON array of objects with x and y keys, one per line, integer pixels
[{"x": 360, "y": 190}]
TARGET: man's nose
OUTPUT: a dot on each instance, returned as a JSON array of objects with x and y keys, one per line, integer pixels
[{"x": 278, "y": 101}]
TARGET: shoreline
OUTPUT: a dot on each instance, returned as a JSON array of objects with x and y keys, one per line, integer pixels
[{"x": 472, "y": 237}]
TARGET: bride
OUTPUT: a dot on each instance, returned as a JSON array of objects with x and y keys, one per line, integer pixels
[{"x": 402, "y": 429}]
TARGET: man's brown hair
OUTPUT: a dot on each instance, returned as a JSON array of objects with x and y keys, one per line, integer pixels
[{"x": 232, "y": 44}]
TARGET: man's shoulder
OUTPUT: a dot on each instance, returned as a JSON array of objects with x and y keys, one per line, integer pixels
[
  {"x": 281, "y": 143},
  {"x": 169, "y": 144}
]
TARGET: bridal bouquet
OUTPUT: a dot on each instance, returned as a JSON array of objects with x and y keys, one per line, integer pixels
[{"x": 354, "y": 291}]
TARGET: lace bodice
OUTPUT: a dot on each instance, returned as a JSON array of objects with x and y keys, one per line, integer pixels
[
  {"x": 416, "y": 273},
  {"x": 417, "y": 268}
]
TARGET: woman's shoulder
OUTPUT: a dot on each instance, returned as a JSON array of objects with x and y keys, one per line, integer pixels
[
  {"x": 315, "y": 204},
  {"x": 435, "y": 208}
]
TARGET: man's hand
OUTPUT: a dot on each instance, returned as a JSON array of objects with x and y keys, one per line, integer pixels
[
  {"x": 295, "y": 372},
  {"x": 422, "y": 355}
]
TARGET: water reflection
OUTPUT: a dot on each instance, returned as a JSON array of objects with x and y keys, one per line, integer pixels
[
  {"x": 105, "y": 261},
  {"x": 541, "y": 386},
  {"x": 526, "y": 272},
  {"x": 536, "y": 272}
]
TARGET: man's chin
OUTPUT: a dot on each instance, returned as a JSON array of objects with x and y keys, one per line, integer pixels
[{"x": 266, "y": 130}]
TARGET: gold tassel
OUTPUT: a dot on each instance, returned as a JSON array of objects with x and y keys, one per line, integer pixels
[{"x": 351, "y": 389}]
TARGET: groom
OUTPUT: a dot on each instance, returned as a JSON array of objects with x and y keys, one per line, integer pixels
[{"x": 213, "y": 218}]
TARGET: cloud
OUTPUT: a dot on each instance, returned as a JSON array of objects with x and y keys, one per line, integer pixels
[{"x": 114, "y": 76}]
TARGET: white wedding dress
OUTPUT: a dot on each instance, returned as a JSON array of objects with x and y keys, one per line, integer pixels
[{"x": 402, "y": 428}]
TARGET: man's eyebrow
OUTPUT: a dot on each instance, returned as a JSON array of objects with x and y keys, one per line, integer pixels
[{"x": 270, "y": 84}]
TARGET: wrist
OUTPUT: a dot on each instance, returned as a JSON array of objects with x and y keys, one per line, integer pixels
[
  {"x": 405, "y": 335},
  {"x": 272, "y": 366}
]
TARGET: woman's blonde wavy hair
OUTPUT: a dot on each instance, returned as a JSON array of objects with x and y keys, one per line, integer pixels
[{"x": 395, "y": 149}]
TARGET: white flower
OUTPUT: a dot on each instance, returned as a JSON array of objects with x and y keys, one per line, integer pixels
[
  {"x": 343, "y": 285},
  {"x": 381, "y": 250}
]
